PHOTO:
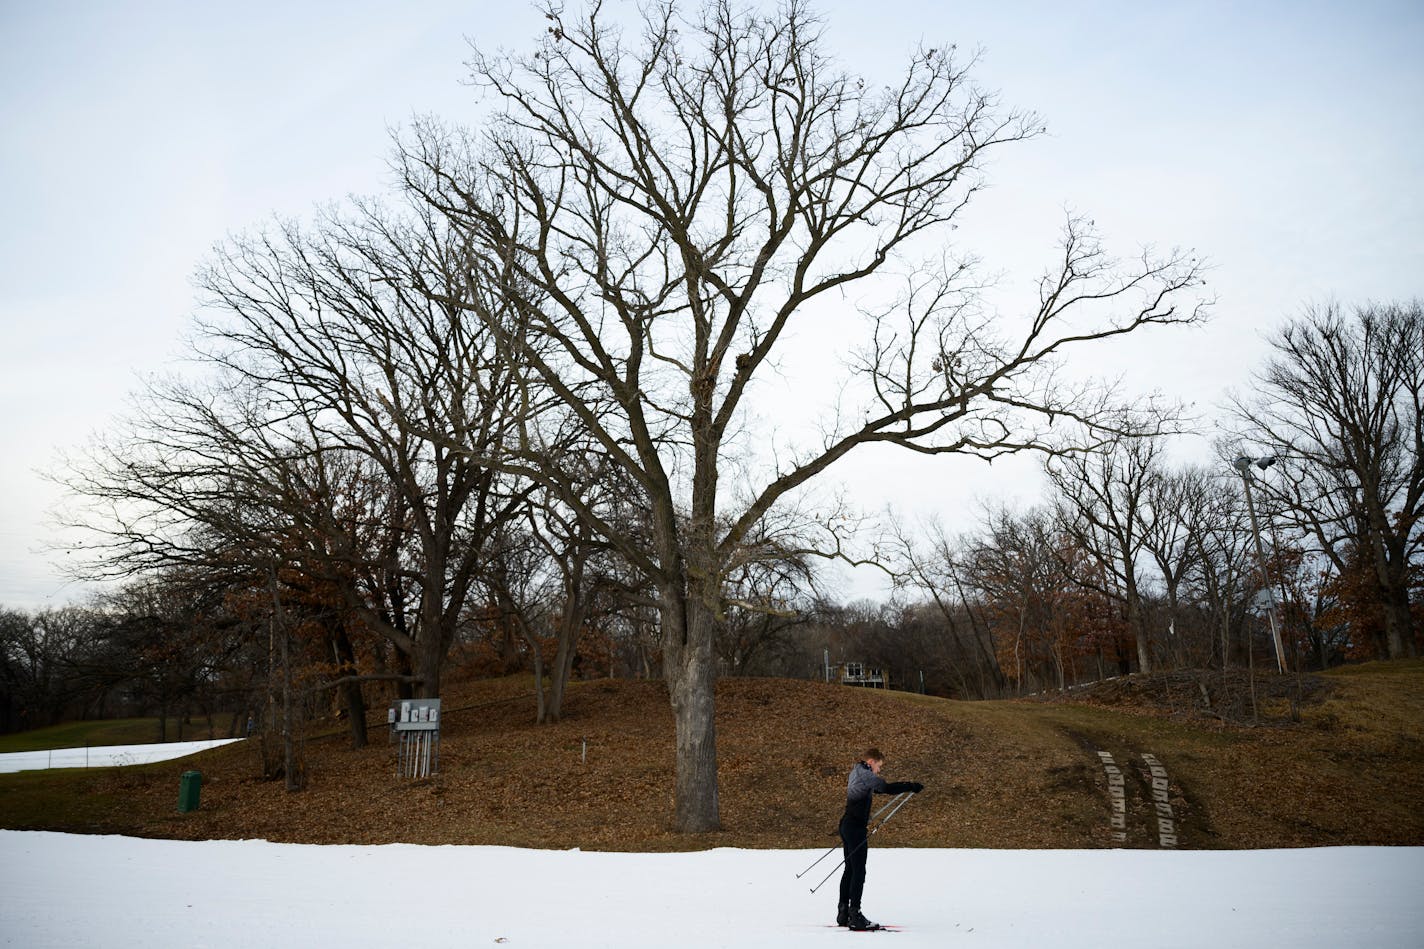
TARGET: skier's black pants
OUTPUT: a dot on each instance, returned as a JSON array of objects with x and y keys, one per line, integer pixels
[{"x": 854, "y": 842}]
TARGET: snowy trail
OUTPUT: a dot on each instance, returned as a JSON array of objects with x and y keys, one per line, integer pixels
[
  {"x": 104, "y": 756},
  {"x": 69, "y": 890}
]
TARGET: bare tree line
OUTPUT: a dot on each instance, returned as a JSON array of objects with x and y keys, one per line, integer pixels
[{"x": 1133, "y": 563}]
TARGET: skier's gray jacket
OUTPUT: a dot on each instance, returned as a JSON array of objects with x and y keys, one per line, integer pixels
[{"x": 862, "y": 783}]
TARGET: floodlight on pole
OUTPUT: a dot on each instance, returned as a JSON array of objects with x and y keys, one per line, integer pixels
[{"x": 1243, "y": 464}]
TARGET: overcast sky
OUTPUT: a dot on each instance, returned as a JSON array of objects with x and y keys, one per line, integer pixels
[{"x": 1282, "y": 141}]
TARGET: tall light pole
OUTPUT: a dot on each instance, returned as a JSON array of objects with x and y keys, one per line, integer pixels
[{"x": 1243, "y": 464}]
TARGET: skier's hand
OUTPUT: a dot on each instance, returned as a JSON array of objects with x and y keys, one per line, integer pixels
[{"x": 916, "y": 787}]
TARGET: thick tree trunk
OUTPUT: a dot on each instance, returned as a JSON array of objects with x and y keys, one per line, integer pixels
[
  {"x": 351, "y": 690},
  {"x": 430, "y": 656},
  {"x": 431, "y": 645},
  {"x": 1139, "y": 628},
  {"x": 572, "y": 625},
  {"x": 356, "y": 712},
  {"x": 690, "y": 670},
  {"x": 1391, "y": 580},
  {"x": 1399, "y": 623},
  {"x": 405, "y": 669},
  {"x": 438, "y": 609}
]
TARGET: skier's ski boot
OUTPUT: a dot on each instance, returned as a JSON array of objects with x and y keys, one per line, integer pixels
[
  {"x": 858, "y": 922},
  {"x": 843, "y": 915}
]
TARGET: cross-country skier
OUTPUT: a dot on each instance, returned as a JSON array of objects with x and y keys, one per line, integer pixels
[{"x": 864, "y": 781}]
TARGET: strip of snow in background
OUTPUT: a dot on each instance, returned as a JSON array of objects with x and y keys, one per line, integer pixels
[
  {"x": 70, "y": 890},
  {"x": 105, "y": 756}
]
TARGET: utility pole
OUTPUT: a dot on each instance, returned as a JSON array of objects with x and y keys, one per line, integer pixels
[{"x": 1243, "y": 464}]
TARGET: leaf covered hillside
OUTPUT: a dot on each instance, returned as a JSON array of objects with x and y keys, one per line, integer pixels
[{"x": 1019, "y": 774}]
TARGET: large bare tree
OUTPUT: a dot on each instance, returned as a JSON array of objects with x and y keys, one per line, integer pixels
[
  {"x": 1223, "y": 573},
  {"x": 1103, "y": 499},
  {"x": 1174, "y": 513},
  {"x": 661, "y": 204},
  {"x": 1340, "y": 405},
  {"x": 326, "y": 325},
  {"x": 321, "y": 436}
]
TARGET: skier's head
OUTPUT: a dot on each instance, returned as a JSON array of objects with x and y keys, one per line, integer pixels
[{"x": 874, "y": 758}]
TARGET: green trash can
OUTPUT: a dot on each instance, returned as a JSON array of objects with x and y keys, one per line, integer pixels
[{"x": 189, "y": 786}]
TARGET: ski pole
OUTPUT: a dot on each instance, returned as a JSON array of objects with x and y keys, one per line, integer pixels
[
  {"x": 823, "y": 856},
  {"x": 865, "y": 841}
]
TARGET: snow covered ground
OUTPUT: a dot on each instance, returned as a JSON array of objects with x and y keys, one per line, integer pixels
[
  {"x": 67, "y": 890},
  {"x": 105, "y": 756}
]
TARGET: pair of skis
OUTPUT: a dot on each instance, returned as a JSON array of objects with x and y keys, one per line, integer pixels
[{"x": 872, "y": 928}]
